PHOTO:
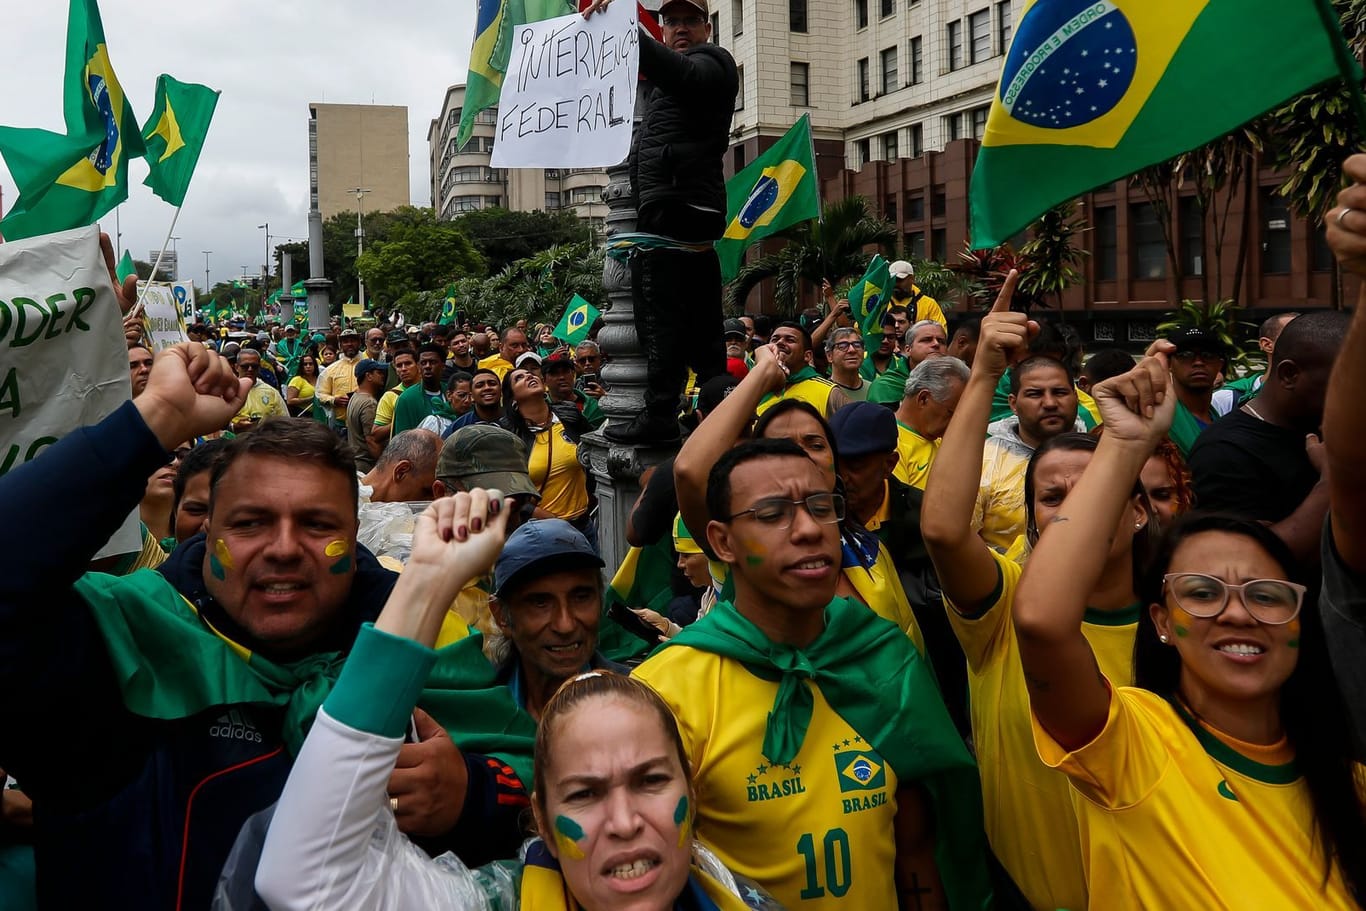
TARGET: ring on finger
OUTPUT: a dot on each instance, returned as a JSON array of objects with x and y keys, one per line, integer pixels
[{"x": 1342, "y": 215}]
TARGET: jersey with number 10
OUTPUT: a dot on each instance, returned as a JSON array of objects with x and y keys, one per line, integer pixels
[{"x": 817, "y": 832}]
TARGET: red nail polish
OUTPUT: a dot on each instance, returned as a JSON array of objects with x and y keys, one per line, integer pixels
[
  {"x": 477, "y": 524},
  {"x": 460, "y": 533}
]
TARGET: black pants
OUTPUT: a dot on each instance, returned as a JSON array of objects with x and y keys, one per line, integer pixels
[{"x": 678, "y": 305}]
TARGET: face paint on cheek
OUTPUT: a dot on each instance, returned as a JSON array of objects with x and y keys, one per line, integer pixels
[
  {"x": 754, "y": 552},
  {"x": 682, "y": 820},
  {"x": 1293, "y": 628},
  {"x": 341, "y": 551},
  {"x": 220, "y": 560},
  {"x": 1181, "y": 623},
  {"x": 568, "y": 834}
]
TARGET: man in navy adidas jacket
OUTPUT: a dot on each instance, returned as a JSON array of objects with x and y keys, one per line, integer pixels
[{"x": 140, "y": 812}]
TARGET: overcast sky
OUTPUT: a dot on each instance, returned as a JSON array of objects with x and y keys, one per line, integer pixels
[{"x": 270, "y": 59}]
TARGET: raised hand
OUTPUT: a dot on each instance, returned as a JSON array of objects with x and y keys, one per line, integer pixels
[
  {"x": 1347, "y": 223},
  {"x": 127, "y": 290},
  {"x": 768, "y": 363},
  {"x": 1137, "y": 407},
  {"x": 1005, "y": 334},
  {"x": 191, "y": 391},
  {"x": 461, "y": 534}
]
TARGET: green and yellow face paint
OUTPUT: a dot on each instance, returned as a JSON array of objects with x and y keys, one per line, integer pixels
[
  {"x": 220, "y": 560},
  {"x": 340, "y": 552},
  {"x": 754, "y": 551},
  {"x": 683, "y": 819},
  {"x": 1293, "y": 628},
  {"x": 1181, "y": 622},
  {"x": 568, "y": 834}
]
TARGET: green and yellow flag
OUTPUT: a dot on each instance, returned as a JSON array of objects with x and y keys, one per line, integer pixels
[
  {"x": 174, "y": 135},
  {"x": 776, "y": 191},
  {"x": 448, "y": 307},
  {"x": 1093, "y": 90},
  {"x": 578, "y": 318},
  {"x": 868, "y": 297},
  {"x": 69, "y": 181}
]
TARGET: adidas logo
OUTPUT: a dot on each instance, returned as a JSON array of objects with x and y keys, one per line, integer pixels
[{"x": 232, "y": 726}]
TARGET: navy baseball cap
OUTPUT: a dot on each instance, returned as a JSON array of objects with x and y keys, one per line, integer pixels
[
  {"x": 863, "y": 428},
  {"x": 365, "y": 365},
  {"x": 539, "y": 548}
]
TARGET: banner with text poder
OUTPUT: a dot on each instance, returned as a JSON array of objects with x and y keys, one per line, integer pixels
[
  {"x": 64, "y": 363},
  {"x": 161, "y": 315},
  {"x": 570, "y": 92}
]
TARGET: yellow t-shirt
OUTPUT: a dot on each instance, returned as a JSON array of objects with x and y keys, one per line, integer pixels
[
  {"x": 999, "y": 514},
  {"x": 1026, "y": 806},
  {"x": 384, "y": 409},
  {"x": 881, "y": 590},
  {"x": 927, "y": 308},
  {"x": 497, "y": 364},
  {"x": 262, "y": 402},
  {"x": 553, "y": 466},
  {"x": 812, "y": 836},
  {"x": 1175, "y": 817},
  {"x": 914, "y": 456},
  {"x": 305, "y": 388},
  {"x": 814, "y": 390}
]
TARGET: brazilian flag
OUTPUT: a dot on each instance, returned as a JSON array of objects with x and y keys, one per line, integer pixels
[
  {"x": 175, "y": 135},
  {"x": 495, "y": 23},
  {"x": 69, "y": 180},
  {"x": 448, "y": 307},
  {"x": 578, "y": 318},
  {"x": 867, "y": 296},
  {"x": 776, "y": 191},
  {"x": 1093, "y": 90},
  {"x": 644, "y": 579}
]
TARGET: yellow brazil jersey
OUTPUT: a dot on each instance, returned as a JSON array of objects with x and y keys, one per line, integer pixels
[
  {"x": 814, "y": 390},
  {"x": 553, "y": 466},
  {"x": 384, "y": 410},
  {"x": 914, "y": 456},
  {"x": 1174, "y": 816},
  {"x": 999, "y": 514},
  {"x": 816, "y": 833},
  {"x": 1027, "y": 806},
  {"x": 880, "y": 589},
  {"x": 497, "y": 364},
  {"x": 262, "y": 402}
]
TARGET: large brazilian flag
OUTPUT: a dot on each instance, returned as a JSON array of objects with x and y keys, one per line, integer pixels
[
  {"x": 69, "y": 181},
  {"x": 1094, "y": 90}
]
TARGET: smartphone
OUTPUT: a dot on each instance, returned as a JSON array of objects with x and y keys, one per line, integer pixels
[
  {"x": 627, "y": 619},
  {"x": 590, "y": 378}
]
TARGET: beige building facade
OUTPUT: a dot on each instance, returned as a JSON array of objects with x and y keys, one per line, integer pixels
[
  {"x": 464, "y": 180},
  {"x": 358, "y": 146}
]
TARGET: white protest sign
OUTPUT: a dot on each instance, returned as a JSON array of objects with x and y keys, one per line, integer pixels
[
  {"x": 184, "y": 298},
  {"x": 161, "y": 315},
  {"x": 569, "y": 92},
  {"x": 63, "y": 358}
]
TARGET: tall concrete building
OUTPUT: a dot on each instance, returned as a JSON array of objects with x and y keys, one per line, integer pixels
[
  {"x": 358, "y": 145},
  {"x": 464, "y": 180}
]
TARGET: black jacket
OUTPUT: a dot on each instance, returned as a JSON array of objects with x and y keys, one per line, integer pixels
[{"x": 688, "y": 102}]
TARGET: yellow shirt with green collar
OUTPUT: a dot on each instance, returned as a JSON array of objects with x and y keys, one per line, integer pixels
[
  {"x": 1028, "y": 806},
  {"x": 914, "y": 456},
  {"x": 808, "y": 386},
  {"x": 1174, "y": 814}
]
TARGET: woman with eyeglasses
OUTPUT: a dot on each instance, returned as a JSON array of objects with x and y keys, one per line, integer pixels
[{"x": 1224, "y": 777}]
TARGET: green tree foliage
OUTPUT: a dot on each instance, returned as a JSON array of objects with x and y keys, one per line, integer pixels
[
  {"x": 536, "y": 288},
  {"x": 1053, "y": 258},
  {"x": 416, "y": 253},
  {"x": 832, "y": 249},
  {"x": 1222, "y": 319},
  {"x": 503, "y": 237}
]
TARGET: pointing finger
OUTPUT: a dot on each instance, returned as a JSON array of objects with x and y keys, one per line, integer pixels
[{"x": 1007, "y": 295}]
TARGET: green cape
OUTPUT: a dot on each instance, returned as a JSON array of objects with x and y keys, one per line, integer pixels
[
  {"x": 170, "y": 664},
  {"x": 874, "y": 678},
  {"x": 413, "y": 406}
]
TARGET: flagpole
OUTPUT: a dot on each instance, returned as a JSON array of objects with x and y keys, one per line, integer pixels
[{"x": 137, "y": 308}]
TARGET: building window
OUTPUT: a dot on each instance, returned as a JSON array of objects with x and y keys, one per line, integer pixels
[
  {"x": 552, "y": 201},
  {"x": 915, "y": 245},
  {"x": 888, "y": 58},
  {"x": 738, "y": 158},
  {"x": 1107, "y": 244},
  {"x": 979, "y": 121},
  {"x": 915, "y": 208},
  {"x": 939, "y": 245},
  {"x": 953, "y": 126},
  {"x": 740, "y": 93},
  {"x": 886, "y": 8},
  {"x": 1192, "y": 236},
  {"x": 954, "y": 33},
  {"x": 861, "y": 13},
  {"x": 863, "y": 79},
  {"x": 979, "y": 30},
  {"x": 862, "y": 153},
  {"x": 1275, "y": 232},
  {"x": 466, "y": 203},
  {"x": 737, "y": 17},
  {"x": 890, "y": 150},
  {"x": 917, "y": 140},
  {"x": 916, "y": 61},
  {"x": 800, "y": 85},
  {"x": 716, "y": 29},
  {"x": 1004, "y": 25},
  {"x": 487, "y": 115},
  {"x": 1150, "y": 245},
  {"x": 939, "y": 201},
  {"x": 889, "y": 207},
  {"x": 796, "y": 15}
]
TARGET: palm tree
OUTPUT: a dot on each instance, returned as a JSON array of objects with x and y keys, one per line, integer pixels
[{"x": 831, "y": 248}]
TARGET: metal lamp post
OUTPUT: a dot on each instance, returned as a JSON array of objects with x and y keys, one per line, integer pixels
[{"x": 360, "y": 239}]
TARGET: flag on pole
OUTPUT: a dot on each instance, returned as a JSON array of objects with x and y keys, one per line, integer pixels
[
  {"x": 125, "y": 267},
  {"x": 867, "y": 298},
  {"x": 297, "y": 289},
  {"x": 577, "y": 320},
  {"x": 1093, "y": 91},
  {"x": 448, "y": 307},
  {"x": 69, "y": 181},
  {"x": 174, "y": 135},
  {"x": 776, "y": 191}
]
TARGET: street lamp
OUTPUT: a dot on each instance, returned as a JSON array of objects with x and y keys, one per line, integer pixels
[
  {"x": 175, "y": 273},
  {"x": 265, "y": 268},
  {"x": 206, "y": 269},
  {"x": 360, "y": 238}
]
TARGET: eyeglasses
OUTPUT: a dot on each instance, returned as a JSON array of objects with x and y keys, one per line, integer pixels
[
  {"x": 683, "y": 21},
  {"x": 849, "y": 346},
  {"x": 825, "y": 508},
  {"x": 1270, "y": 601},
  {"x": 585, "y": 361}
]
